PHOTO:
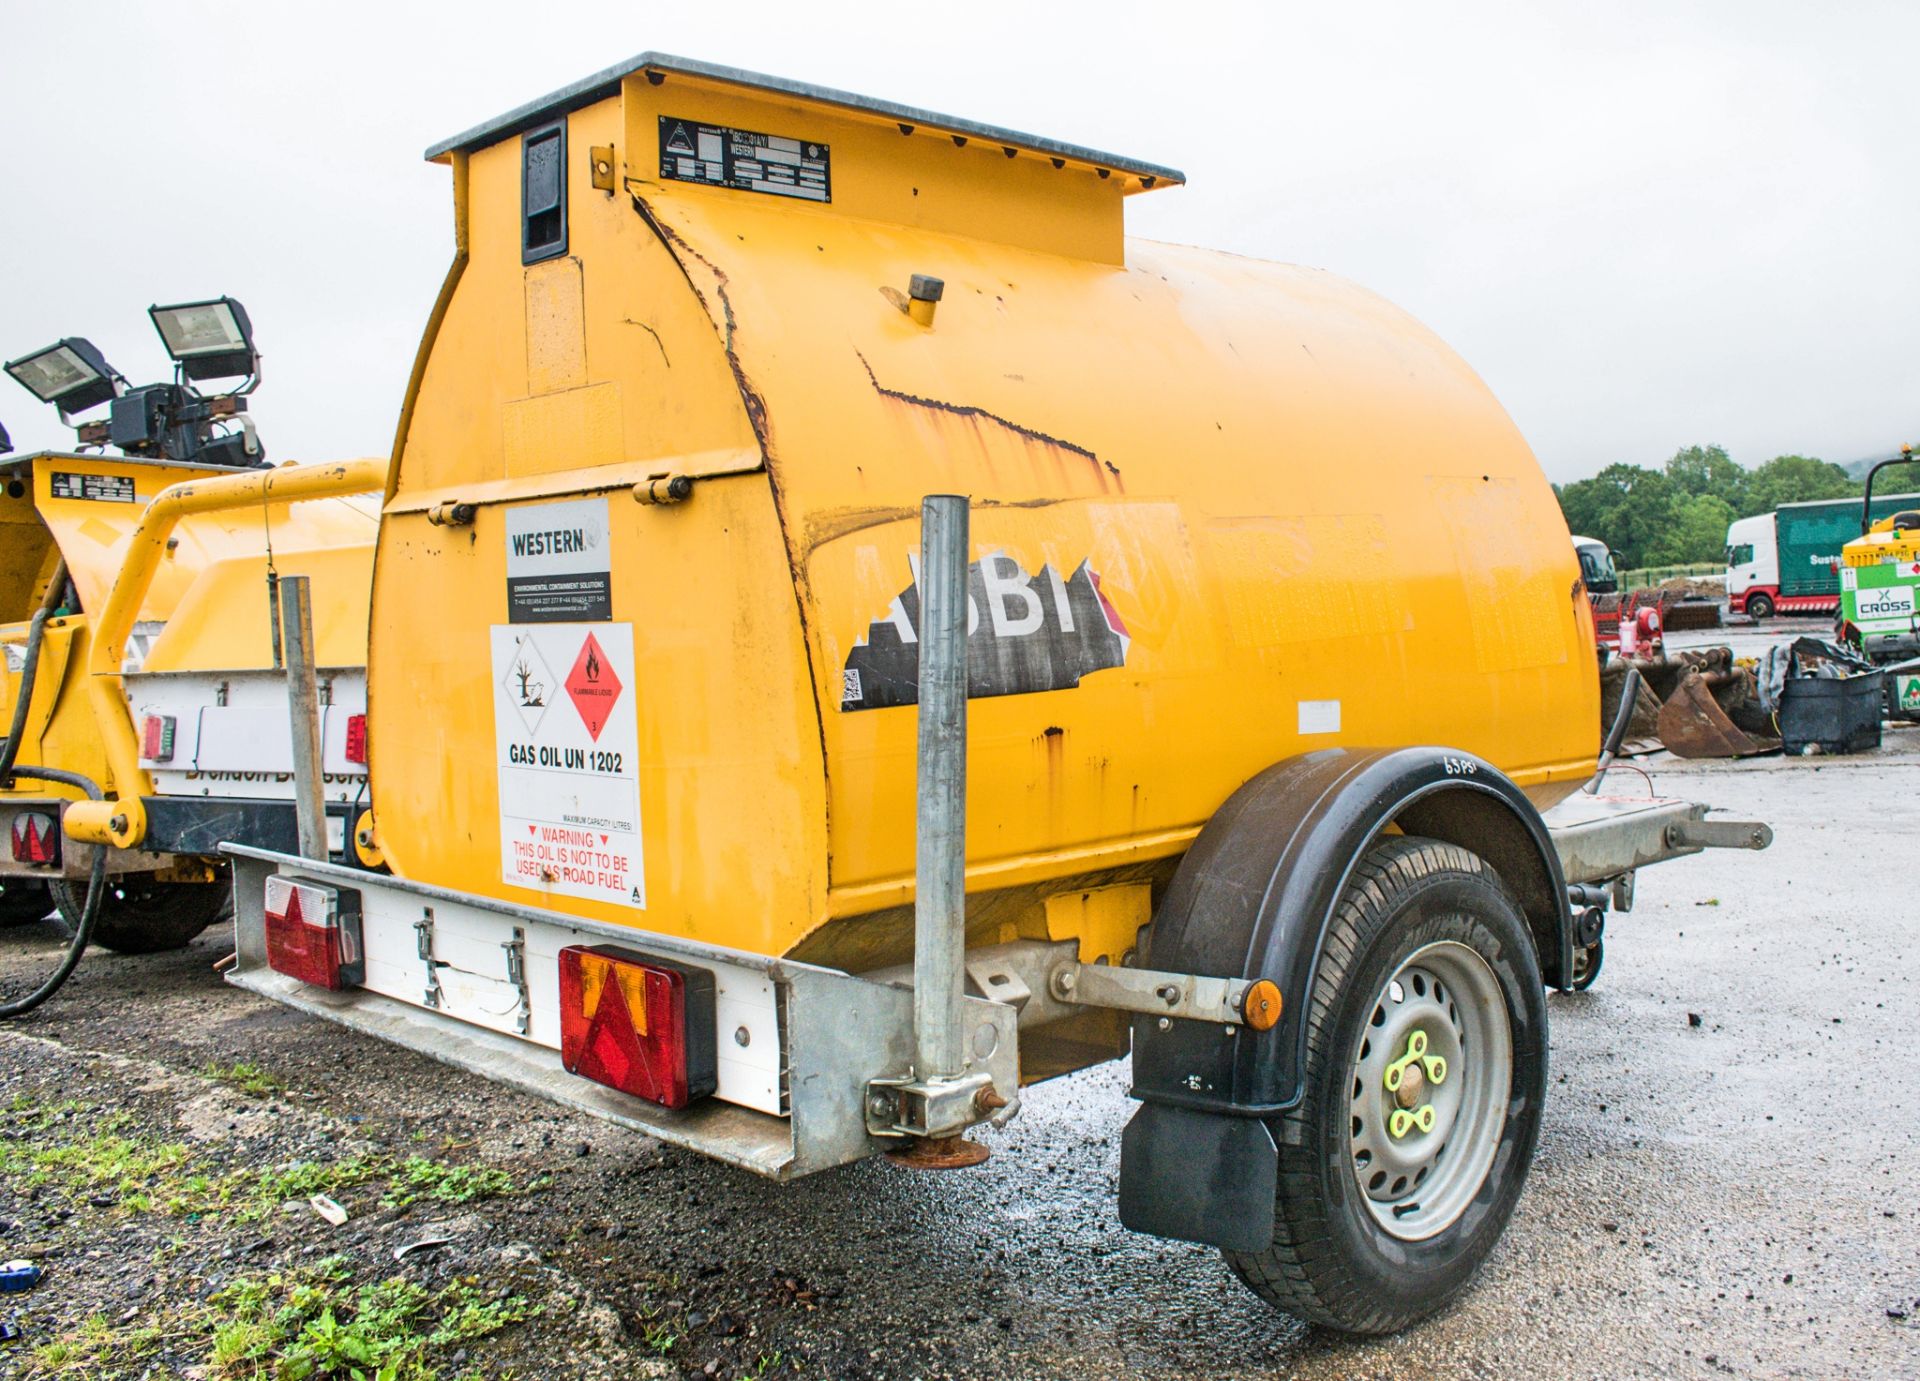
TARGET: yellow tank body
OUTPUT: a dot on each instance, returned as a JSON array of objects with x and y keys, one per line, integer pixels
[
  {"x": 1225, "y": 512},
  {"x": 207, "y": 600}
]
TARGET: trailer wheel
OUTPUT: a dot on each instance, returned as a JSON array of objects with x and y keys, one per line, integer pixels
[
  {"x": 22, "y": 902},
  {"x": 141, "y": 916},
  {"x": 1759, "y": 607},
  {"x": 1425, "y": 1073}
]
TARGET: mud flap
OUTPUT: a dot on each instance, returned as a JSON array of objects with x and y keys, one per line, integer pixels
[{"x": 1199, "y": 1177}]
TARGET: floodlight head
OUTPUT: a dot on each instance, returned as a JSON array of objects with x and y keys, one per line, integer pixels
[
  {"x": 208, "y": 340},
  {"x": 71, "y": 374}
]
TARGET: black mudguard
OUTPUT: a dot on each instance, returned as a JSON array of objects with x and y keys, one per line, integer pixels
[{"x": 1253, "y": 899}]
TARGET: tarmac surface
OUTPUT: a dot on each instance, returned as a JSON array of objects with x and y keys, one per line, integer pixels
[{"x": 1725, "y": 1183}]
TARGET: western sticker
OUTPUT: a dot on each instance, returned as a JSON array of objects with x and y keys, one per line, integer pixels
[
  {"x": 745, "y": 160},
  {"x": 1024, "y": 633},
  {"x": 558, "y": 562},
  {"x": 567, "y": 737},
  {"x": 66, "y": 484}
]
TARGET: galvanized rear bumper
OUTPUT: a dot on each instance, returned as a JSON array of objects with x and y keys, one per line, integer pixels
[{"x": 837, "y": 1033}]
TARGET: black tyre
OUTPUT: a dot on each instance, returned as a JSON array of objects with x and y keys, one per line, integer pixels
[
  {"x": 22, "y": 902},
  {"x": 1395, "y": 1188},
  {"x": 1759, "y": 607},
  {"x": 141, "y": 916}
]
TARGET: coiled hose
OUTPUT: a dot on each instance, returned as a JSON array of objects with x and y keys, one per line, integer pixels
[{"x": 9, "y": 750}]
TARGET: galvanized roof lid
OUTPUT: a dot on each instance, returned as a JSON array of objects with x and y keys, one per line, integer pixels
[{"x": 606, "y": 83}]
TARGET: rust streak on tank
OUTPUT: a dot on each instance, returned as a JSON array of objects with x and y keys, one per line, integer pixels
[
  {"x": 677, "y": 246},
  {"x": 971, "y": 413}
]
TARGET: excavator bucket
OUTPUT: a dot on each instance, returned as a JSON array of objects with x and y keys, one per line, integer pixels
[{"x": 1693, "y": 725}]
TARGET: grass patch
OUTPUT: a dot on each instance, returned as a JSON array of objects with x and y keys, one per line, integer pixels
[
  {"x": 129, "y": 1168},
  {"x": 304, "y": 1178},
  {"x": 316, "y": 1323},
  {"x": 52, "y": 1146},
  {"x": 246, "y": 1076},
  {"x": 419, "y": 1178}
]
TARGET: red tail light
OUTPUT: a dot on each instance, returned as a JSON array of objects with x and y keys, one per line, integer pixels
[
  {"x": 156, "y": 742},
  {"x": 357, "y": 738},
  {"x": 36, "y": 838},
  {"x": 637, "y": 1025},
  {"x": 313, "y": 933}
]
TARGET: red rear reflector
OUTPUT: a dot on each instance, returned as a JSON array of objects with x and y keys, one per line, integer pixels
[
  {"x": 313, "y": 933},
  {"x": 36, "y": 838},
  {"x": 638, "y": 1025},
  {"x": 357, "y": 738},
  {"x": 156, "y": 743}
]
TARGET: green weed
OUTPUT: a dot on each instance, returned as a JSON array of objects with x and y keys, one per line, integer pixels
[
  {"x": 246, "y": 1076},
  {"x": 419, "y": 1178}
]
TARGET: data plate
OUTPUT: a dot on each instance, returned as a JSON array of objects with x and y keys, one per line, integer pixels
[
  {"x": 744, "y": 159},
  {"x": 99, "y": 488}
]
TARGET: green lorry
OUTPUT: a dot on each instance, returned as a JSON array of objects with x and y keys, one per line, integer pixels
[{"x": 1788, "y": 561}]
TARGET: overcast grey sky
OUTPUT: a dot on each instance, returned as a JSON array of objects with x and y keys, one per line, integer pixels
[{"x": 1646, "y": 225}]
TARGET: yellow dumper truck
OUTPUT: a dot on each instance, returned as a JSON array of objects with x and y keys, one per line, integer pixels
[
  {"x": 736, "y": 780},
  {"x": 186, "y": 710}
]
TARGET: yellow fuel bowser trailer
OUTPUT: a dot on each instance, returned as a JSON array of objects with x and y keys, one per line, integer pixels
[
  {"x": 193, "y": 717},
  {"x": 1209, "y": 713}
]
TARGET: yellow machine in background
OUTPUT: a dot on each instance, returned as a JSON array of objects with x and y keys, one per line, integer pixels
[
  {"x": 854, "y": 635},
  {"x": 186, "y": 707},
  {"x": 197, "y": 710},
  {"x": 1880, "y": 586}
]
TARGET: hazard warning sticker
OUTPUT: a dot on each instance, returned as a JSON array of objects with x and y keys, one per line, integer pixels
[
  {"x": 745, "y": 160},
  {"x": 568, "y": 742}
]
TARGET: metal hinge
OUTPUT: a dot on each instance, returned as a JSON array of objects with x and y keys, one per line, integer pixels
[
  {"x": 423, "y": 943},
  {"x": 516, "y": 949}
]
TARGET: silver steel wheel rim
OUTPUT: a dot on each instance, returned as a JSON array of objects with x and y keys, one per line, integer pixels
[{"x": 1418, "y": 1184}]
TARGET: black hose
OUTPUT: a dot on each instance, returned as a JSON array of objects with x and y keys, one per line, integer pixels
[
  {"x": 1617, "y": 731},
  {"x": 30, "y": 668},
  {"x": 96, "y": 893},
  {"x": 10, "y": 747},
  {"x": 9, "y": 751}
]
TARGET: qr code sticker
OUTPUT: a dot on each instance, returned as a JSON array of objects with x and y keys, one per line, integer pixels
[{"x": 850, "y": 686}]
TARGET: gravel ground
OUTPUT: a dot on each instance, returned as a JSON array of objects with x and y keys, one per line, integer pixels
[{"x": 1723, "y": 1185}]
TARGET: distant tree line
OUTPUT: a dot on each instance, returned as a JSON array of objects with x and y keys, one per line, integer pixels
[{"x": 1678, "y": 515}]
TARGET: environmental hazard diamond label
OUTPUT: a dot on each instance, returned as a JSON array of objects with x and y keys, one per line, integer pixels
[
  {"x": 528, "y": 683},
  {"x": 569, "y": 772},
  {"x": 594, "y": 686}
]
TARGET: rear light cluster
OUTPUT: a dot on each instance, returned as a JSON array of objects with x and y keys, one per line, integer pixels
[
  {"x": 36, "y": 838},
  {"x": 638, "y": 1025},
  {"x": 313, "y": 933},
  {"x": 357, "y": 739},
  {"x": 156, "y": 739}
]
